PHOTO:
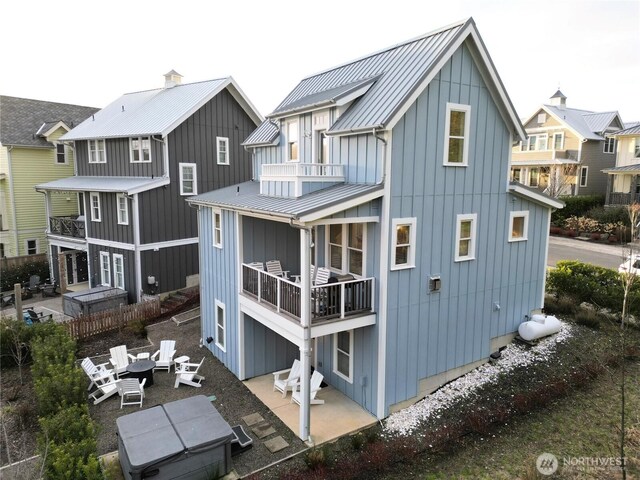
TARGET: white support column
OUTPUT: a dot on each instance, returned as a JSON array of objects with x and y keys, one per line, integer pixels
[
  {"x": 136, "y": 246},
  {"x": 48, "y": 209},
  {"x": 305, "y": 320}
]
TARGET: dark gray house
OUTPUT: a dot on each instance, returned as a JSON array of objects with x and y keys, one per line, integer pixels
[{"x": 137, "y": 160}]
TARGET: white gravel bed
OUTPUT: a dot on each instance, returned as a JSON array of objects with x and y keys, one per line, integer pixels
[{"x": 405, "y": 421}]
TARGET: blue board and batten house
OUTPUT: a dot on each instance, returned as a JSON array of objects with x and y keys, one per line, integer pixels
[
  {"x": 392, "y": 172},
  {"x": 137, "y": 160}
]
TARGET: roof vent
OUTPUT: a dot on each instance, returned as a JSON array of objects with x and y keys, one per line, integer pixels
[
  {"x": 172, "y": 79},
  {"x": 559, "y": 99}
]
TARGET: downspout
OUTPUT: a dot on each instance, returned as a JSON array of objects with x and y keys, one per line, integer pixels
[
  {"x": 13, "y": 203},
  {"x": 136, "y": 245},
  {"x": 384, "y": 157}
]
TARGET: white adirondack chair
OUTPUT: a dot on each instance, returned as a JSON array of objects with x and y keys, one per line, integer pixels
[
  {"x": 187, "y": 373},
  {"x": 107, "y": 387},
  {"x": 316, "y": 381},
  {"x": 120, "y": 359},
  {"x": 131, "y": 391},
  {"x": 164, "y": 356},
  {"x": 94, "y": 372},
  {"x": 275, "y": 268},
  {"x": 285, "y": 384}
]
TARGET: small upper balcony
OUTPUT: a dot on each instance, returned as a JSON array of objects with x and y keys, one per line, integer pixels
[
  {"x": 67, "y": 226},
  {"x": 331, "y": 302},
  {"x": 294, "y": 179}
]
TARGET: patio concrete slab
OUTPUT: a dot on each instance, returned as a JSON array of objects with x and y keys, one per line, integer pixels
[
  {"x": 338, "y": 416},
  {"x": 276, "y": 444},
  {"x": 252, "y": 419}
]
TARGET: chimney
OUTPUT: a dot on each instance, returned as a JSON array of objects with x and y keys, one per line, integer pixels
[
  {"x": 172, "y": 79},
  {"x": 559, "y": 99}
]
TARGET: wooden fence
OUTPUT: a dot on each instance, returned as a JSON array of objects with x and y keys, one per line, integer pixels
[
  {"x": 109, "y": 320},
  {"x": 12, "y": 262}
]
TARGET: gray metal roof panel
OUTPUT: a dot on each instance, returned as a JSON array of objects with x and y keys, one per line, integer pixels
[
  {"x": 21, "y": 119},
  {"x": 150, "y": 112},
  {"x": 265, "y": 134},
  {"x": 632, "y": 130},
  {"x": 102, "y": 184},
  {"x": 575, "y": 118},
  {"x": 246, "y": 196},
  {"x": 623, "y": 169},
  {"x": 599, "y": 121},
  {"x": 400, "y": 70}
]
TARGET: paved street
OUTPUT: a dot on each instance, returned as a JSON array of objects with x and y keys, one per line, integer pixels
[{"x": 561, "y": 248}]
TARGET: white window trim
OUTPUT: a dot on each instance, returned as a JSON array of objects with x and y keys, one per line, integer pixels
[
  {"x": 345, "y": 250},
  {"x": 584, "y": 168},
  {"x": 525, "y": 228},
  {"x": 26, "y": 246},
  {"x": 297, "y": 140},
  {"x": 472, "y": 246},
  {"x": 118, "y": 256},
  {"x": 604, "y": 145},
  {"x": 140, "y": 150},
  {"x": 95, "y": 141},
  {"x": 214, "y": 227},
  {"x": 467, "y": 126},
  {"x": 224, "y": 140},
  {"x": 561, "y": 135},
  {"x": 335, "y": 357},
  {"x": 411, "y": 259},
  {"x": 221, "y": 305},
  {"x": 66, "y": 157},
  {"x": 122, "y": 220},
  {"x": 542, "y": 117},
  {"x": 106, "y": 282},
  {"x": 536, "y": 135},
  {"x": 181, "y": 166},
  {"x": 95, "y": 218}
]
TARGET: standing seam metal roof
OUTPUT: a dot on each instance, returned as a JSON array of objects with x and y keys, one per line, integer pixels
[
  {"x": 246, "y": 196},
  {"x": 599, "y": 121},
  {"x": 634, "y": 130},
  {"x": 400, "y": 70},
  {"x": 587, "y": 123},
  {"x": 149, "y": 112},
  {"x": 265, "y": 134}
]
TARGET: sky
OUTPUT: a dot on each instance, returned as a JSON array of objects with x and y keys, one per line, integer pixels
[{"x": 91, "y": 52}]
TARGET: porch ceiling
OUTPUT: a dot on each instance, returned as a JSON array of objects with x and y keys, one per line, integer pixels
[{"x": 246, "y": 197}]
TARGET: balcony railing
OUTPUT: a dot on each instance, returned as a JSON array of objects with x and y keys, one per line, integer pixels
[
  {"x": 330, "y": 301},
  {"x": 616, "y": 198},
  {"x": 67, "y": 227},
  {"x": 302, "y": 170}
]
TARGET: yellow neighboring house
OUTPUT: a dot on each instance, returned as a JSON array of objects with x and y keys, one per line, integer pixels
[{"x": 30, "y": 153}]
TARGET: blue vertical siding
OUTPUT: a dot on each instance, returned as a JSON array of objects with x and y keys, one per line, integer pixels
[
  {"x": 265, "y": 351},
  {"x": 218, "y": 281},
  {"x": 264, "y": 240},
  {"x": 429, "y": 333}
]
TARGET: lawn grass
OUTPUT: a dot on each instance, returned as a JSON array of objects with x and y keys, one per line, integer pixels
[{"x": 583, "y": 424}]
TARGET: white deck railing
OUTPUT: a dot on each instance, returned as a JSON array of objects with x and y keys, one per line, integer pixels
[
  {"x": 302, "y": 170},
  {"x": 329, "y": 301}
]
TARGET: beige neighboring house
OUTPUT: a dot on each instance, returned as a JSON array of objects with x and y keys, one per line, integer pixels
[
  {"x": 623, "y": 187},
  {"x": 30, "y": 153},
  {"x": 566, "y": 149}
]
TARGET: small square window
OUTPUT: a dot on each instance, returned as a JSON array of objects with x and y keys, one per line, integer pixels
[
  {"x": 518, "y": 226},
  {"x": 466, "y": 237},
  {"x": 140, "y": 149},
  {"x": 32, "y": 246},
  {"x": 609, "y": 145}
]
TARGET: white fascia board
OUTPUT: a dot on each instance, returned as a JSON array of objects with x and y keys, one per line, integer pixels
[
  {"x": 168, "y": 244},
  {"x": 67, "y": 242},
  {"x": 58, "y": 125},
  {"x": 109, "y": 243},
  {"x": 535, "y": 197},
  {"x": 330, "y": 328},
  {"x": 159, "y": 183},
  {"x": 354, "y": 202},
  {"x": 341, "y": 221},
  {"x": 237, "y": 93}
]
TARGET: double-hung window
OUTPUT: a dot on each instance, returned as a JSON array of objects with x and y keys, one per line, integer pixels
[
  {"x": 123, "y": 209},
  {"x": 343, "y": 355},
  {"x": 535, "y": 142},
  {"x": 403, "y": 248},
  {"x": 140, "y": 149},
  {"x": 347, "y": 248},
  {"x": 188, "y": 179},
  {"x": 466, "y": 237},
  {"x": 223, "y": 150},
  {"x": 518, "y": 226},
  {"x": 636, "y": 150},
  {"x": 216, "y": 222},
  {"x": 118, "y": 271},
  {"x": 534, "y": 177},
  {"x": 221, "y": 325},
  {"x": 292, "y": 141},
  {"x": 558, "y": 141},
  {"x": 105, "y": 269},
  {"x": 61, "y": 154},
  {"x": 456, "y": 144},
  {"x": 32, "y": 246},
  {"x": 584, "y": 176},
  {"x": 97, "y": 151},
  {"x": 94, "y": 200},
  {"x": 609, "y": 145}
]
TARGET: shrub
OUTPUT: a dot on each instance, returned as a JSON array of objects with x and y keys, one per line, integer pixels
[
  {"x": 66, "y": 462},
  {"x": 588, "y": 318},
  {"x": 522, "y": 403},
  {"x": 57, "y": 348},
  {"x": 20, "y": 274},
  {"x": 316, "y": 458},
  {"x": 612, "y": 239},
  {"x": 63, "y": 386},
  {"x": 71, "y": 424},
  {"x": 559, "y": 306},
  {"x": 555, "y": 230},
  {"x": 357, "y": 441},
  {"x": 595, "y": 236},
  {"x": 611, "y": 215},
  {"x": 576, "y": 206}
]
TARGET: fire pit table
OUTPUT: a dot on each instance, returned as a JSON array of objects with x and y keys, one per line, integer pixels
[{"x": 142, "y": 369}]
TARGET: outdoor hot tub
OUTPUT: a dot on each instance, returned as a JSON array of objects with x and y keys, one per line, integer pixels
[
  {"x": 185, "y": 439},
  {"x": 93, "y": 300}
]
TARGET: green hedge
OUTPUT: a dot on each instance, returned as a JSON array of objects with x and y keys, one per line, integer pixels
[
  {"x": 10, "y": 276},
  {"x": 576, "y": 206},
  {"x": 584, "y": 282},
  {"x": 14, "y": 331}
]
